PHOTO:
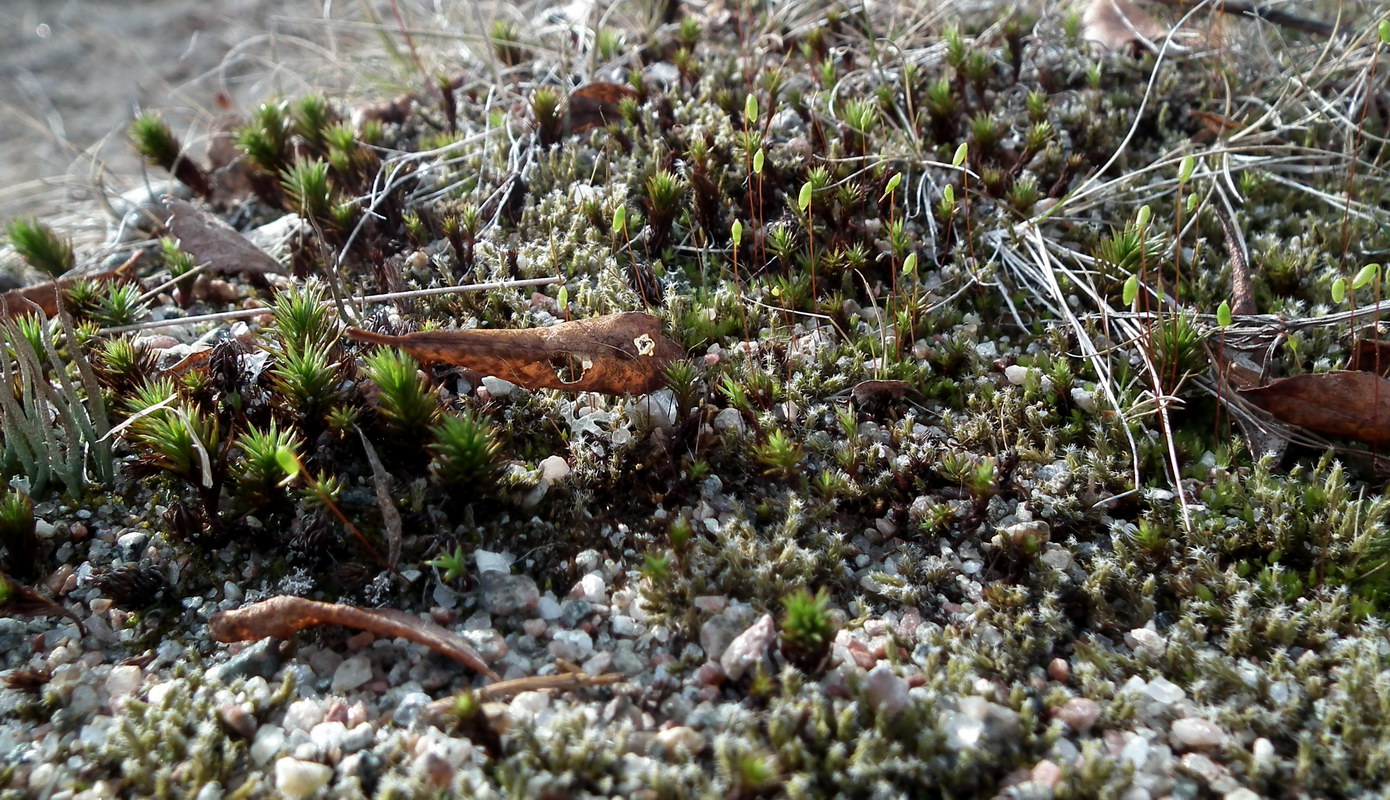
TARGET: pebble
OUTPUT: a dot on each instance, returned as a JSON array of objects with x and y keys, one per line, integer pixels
[
  {"x": 554, "y": 469},
  {"x": 269, "y": 742},
  {"x": 659, "y": 408},
  {"x": 488, "y": 561},
  {"x": 498, "y": 387},
  {"x": 571, "y": 645},
  {"x": 131, "y": 545},
  {"x": 1080, "y": 713},
  {"x": 122, "y": 682},
  {"x": 1163, "y": 691},
  {"x": 1214, "y": 775},
  {"x": 681, "y": 738},
  {"x": 729, "y": 419},
  {"x": 1046, "y": 773},
  {"x": 409, "y": 708},
  {"x": 325, "y": 662},
  {"x": 351, "y": 674},
  {"x": 748, "y": 648},
  {"x": 711, "y": 603},
  {"x": 1146, "y": 639},
  {"x": 591, "y": 587},
  {"x": 260, "y": 659},
  {"x": 299, "y": 780},
  {"x": 1193, "y": 732},
  {"x": 549, "y": 608},
  {"x": 1058, "y": 669},
  {"x": 505, "y": 594},
  {"x": 536, "y": 628},
  {"x": 303, "y": 715},
  {"x": 887, "y": 691},
  {"x": 238, "y": 720}
]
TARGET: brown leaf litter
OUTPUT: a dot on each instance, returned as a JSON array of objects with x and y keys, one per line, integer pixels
[
  {"x": 613, "y": 354},
  {"x": 286, "y": 615}
]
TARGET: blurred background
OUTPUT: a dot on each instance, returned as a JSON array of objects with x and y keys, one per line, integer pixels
[{"x": 73, "y": 73}]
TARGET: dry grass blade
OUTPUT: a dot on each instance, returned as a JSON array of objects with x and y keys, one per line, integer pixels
[
  {"x": 286, "y": 615},
  {"x": 391, "y": 517},
  {"x": 613, "y": 354}
]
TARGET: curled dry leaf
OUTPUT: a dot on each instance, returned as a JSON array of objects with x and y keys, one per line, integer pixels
[
  {"x": 613, "y": 354},
  {"x": 595, "y": 105},
  {"x": 1349, "y": 405},
  {"x": 1119, "y": 23},
  {"x": 211, "y": 241},
  {"x": 286, "y": 615},
  {"x": 18, "y": 302}
]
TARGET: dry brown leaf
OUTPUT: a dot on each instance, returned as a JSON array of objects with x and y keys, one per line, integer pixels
[
  {"x": 287, "y": 615},
  {"x": 1349, "y": 405},
  {"x": 17, "y": 302},
  {"x": 613, "y": 354},
  {"x": 1371, "y": 355},
  {"x": 211, "y": 241},
  {"x": 594, "y": 105},
  {"x": 1116, "y": 24},
  {"x": 864, "y": 391}
]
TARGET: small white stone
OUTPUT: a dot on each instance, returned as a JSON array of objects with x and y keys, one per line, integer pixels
[
  {"x": 592, "y": 588},
  {"x": 493, "y": 562},
  {"x": 887, "y": 691},
  {"x": 303, "y": 715},
  {"x": 554, "y": 469},
  {"x": 328, "y": 738},
  {"x": 659, "y": 407},
  {"x": 1136, "y": 751},
  {"x": 299, "y": 780},
  {"x": 549, "y": 608},
  {"x": 122, "y": 683},
  {"x": 1164, "y": 691},
  {"x": 1147, "y": 639},
  {"x": 351, "y": 674},
  {"x": 269, "y": 742},
  {"x": 1194, "y": 732},
  {"x": 1085, "y": 400},
  {"x": 681, "y": 738},
  {"x": 498, "y": 387}
]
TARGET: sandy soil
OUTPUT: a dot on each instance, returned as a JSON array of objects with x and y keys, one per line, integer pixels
[{"x": 72, "y": 73}]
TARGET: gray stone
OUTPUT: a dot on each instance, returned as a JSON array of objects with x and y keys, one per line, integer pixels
[
  {"x": 260, "y": 659},
  {"x": 721, "y": 629},
  {"x": 504, "y": 594},
  {"x": 748, "y": 648},
  {"x": 130, "y": 545},
  {"x": 352, "y": 673},
  {"x": 409, "y": 708}
]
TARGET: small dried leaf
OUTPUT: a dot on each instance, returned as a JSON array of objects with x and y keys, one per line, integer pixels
[
  {"x": 17, "y": 302},
  {"x": 210, "y": 240},
  {"x": 594, "y": 105},
  {"x": 1119, "y": 23},
  {"x": 286, "y": 615},
  {"x": 1349, "y": 405},
  {"x": 1371, "y": 355},
  {"x": 865, "y": 391},
  {"x": 613, "y": 354}
]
